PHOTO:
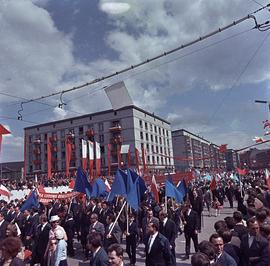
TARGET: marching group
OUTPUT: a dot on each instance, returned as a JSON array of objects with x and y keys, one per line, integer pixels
[{"x": 46, "y": 235}]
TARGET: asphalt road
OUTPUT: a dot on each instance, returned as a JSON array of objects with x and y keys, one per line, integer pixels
[{"x": 207, "y": 230}]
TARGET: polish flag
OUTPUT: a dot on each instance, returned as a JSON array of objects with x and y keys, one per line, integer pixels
[
  {"x": 84, "y": 154},
  {"x": 91, "y": 157},
  {"x": 108, "y": 187},
  {"x": 154, "y": 189},
  {"x": 4, "y": 191},
  {"x": 267, "y": 177},
  {"x": 258, "y": 139},
  {"x": 98, "y": 159},
  {"x": 266, "y": 124}
]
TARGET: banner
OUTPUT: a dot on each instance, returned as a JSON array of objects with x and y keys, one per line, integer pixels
[
  {"x": 45, "y": 198},
  {"x": 98, "y": 160},
  {"x": 84, "y": 154},
  {"x": 91, "y": 157}
]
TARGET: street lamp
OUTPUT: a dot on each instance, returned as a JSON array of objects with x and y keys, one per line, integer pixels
[{"x": 264, "y": 102}]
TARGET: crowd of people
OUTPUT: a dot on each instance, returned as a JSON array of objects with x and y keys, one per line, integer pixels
[{"x": 46, "y": 235}]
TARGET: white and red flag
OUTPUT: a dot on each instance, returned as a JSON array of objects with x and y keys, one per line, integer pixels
[
  {"x": 84, "y": 154},
  {"x": 267, "y": 177},
  {"x": 258, "y": 139},
  {"x": 91, "y": 157},
  {"x": 3, "y": 131},
  {"x": 4, "y": 191},
  {"x": 98, "y": 160},
  {"x": 154, "y": 189},
  {"x": 107, "y": 184}
]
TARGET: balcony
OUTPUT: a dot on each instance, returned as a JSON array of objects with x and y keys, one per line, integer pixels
[{"x": 116, "y": 127}]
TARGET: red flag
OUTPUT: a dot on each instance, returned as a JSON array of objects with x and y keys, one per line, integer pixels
[
  {"x": 91, "y": 157},
  {"x": 68, "y": 153},
  {"x": 3, "y": 131},
  {"x": 144, "y": 162},
  {"x": 109, "y": 158},
  {"x": 41, "y": 189},
  {"x": 72, "y": 183},
  {"x": 154, "y": 189},
  {"x": 49, "y": 158},
  {"x": 4, "y": 191},
  {"x": 84, "y": 154},
  {"x": 223, "y": 148},
  {"x": 241, "y": 171},
  {"x": 137, "y": 159},
  {"x": 266, "y": 124},
  {"x": 213, "y": 184},
  {"x": 258, "y": 139},
  {"x": 267, "y": 177},
  {"x": 98, "y": 160}
]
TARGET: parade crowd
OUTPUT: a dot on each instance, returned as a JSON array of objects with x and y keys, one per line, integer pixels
[{"x": 49, "y": 234}]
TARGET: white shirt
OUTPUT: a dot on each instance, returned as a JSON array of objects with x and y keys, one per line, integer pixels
[
  {"x": 2, "y": 222},
  {"x": 96, "y": 251},
  {"x": 250, "y": 240},
  {"x": 42, "y": 227},
  {"x": 165, "y": 221},
  {"x": 152, "y": 239}
]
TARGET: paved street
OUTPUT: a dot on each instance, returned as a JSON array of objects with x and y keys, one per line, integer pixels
[{"x": 207, "y": 230}]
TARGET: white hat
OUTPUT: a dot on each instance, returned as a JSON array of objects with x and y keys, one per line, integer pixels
[{"x": 54, "y": 218}]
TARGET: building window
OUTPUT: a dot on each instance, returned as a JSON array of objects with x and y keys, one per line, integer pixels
[
  {"x": 159, "y": 131},
  {"x": 155, "y": 129},
  {"x": 160, "y": 140},
  {"x": 153, "y": 148},
  {"x": 146, "y": 125},
  {"x": 147, "y": 147},
  {"x": 156, "y": 138},
  {"x": 62, "y": 133},
  {"x": 102, "y": 149},
  {"x": 141, "y": 146},
  {"x": 53, "y": 125},
  {"x": 146, "y": 137},
  {"x": 101, "y": 138},
  {"x": 71, "y": 121},
  {"x": 80, "y": 130},
  {"x": 141, "y": 124},
  {"x": 151, "y": 137},
  {"x": 153, "y": 159},
  {"x": 163, "y": 132},
  {"x": 90, "y": 117},
  {"x": 148, "y": 159},
  {"x": 141, "y": 135},
  {"x": 100, "y": 126},
  {"x": 161, "y": 150},
  {"x": 115, "y": 113},
  {"x": 151, "y": 127}
]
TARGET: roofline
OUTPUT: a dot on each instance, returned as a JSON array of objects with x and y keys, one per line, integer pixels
[
  {"x": 193, "y": 135},
  {"x": 99, "y": 113}
]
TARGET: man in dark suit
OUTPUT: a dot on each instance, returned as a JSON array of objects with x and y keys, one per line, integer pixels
[
  {"x": 191, "y": 226},
  {"x": 168, "y": 229},
  {"x": 239, "y": 227},
  {"x": 10, "y": 213},
  {"x": 41, "y": 241},
  {"x": 254, "y": 248},
  {"x": 112, "y": 232},
  {"x": 95, "y": 225},
  {"x": 27, "y": 230},
  {"x": 3, "y": 226},
  {"x": 18, "y": 217},
  {"x": 99, "y": 256},
  {"x": 222, "y": 257},
  {"x": 197, "y": 206},
  {"x": 157, "y": 249},
  {"x": 70, "y": 230},
  {"x": 132, "y": 236},
  {"x": 145, "y": 221}
]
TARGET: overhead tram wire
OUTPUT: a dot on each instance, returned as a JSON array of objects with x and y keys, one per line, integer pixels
[
  {"x": 144, "y": 71},
  {"x": 166, "y": 53},
  {"x": 22, "y": 120},
  {"x": 235, "y": 82}
]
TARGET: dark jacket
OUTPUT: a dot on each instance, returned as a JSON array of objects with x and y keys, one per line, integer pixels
[
  {"x": 160, "y": 253},
  {"x": 191, "y": 223},
  {"x": 100, "y": 259},
  {"x": 3, "y": 229},
  {"x": 226, "y": 260},
  {"x": 169, "y": 231}
]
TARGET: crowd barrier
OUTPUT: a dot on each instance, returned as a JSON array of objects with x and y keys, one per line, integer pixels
[{"x": 20, "y": 194}]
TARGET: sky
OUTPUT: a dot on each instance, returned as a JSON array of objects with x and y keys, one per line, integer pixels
[{"x": 208, "y": 88}]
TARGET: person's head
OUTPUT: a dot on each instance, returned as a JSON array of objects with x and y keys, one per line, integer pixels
[
  {"x": 253, "y": 226},
  {"x": 59, "y": 234},
  {"x": 115, "y": 254},
  {"x": 227, "y": 236},
  {"x": 150, "y": 214},
  {"x": 265, "y": 230},
  {"x": 93, "y": 201},
  {"x": 11, "y": 230},
  {"x": 237, "y": 216},
  {"x": 105, "y": 205},
  {"x": 110, "y": 218},
  {"x": 218, "y": 242},
  {"x": 10, "y": 247},
  {"x": 261, "y": 215},
  {"x": 17, "y": 209},
  {"x": 152, "y": 227},
  {"x": 220, "y": 225},
  {"x": 200, "y": 259},
  {"x": 186, "y": 206},
  {"x": 95, "y": 241},
  {"x": 230, "y": 222},
  {"x": 195, "y": 193},
  {"x": 26, "y": 213},
  {"x": 2, "y": 217},
  {"x": 43, "y": 219},
  {"x": 208, "y": 249},
  {"x": 162, "y": 215},
  {"x": 55, "y": 219},
  {"x": 93, "y": 218}
]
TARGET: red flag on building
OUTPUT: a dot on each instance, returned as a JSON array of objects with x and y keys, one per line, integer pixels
[
  {"x": 137, "y": 160},
  {"x": 49, "y": 158},
  {"x": 213, "y": 184},
  {"x": 267, "y": 177},
  {"x": 3, "y": 131},
  {"x": 266, "y": 124},
  {"x": 223, "y": 148},
  {"x": 154, "y": 189},
  {"x": 91, "y": 157},
  {"x": 109, "y": 158},
  {"x": 68, "y": 153},
  {"x": 144, "y": 161},
  {"x": 98, "y": 160},
  {"x": 84, "y": 154}
]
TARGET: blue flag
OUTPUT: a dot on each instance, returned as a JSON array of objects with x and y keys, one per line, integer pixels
[
  {"x": 82, "y": 184},
  {"x": 31, "y": 202},
  {"x": 99, "y": 188},
  {"x": 169, "y": 178},
  {"x": 140, "y": 183},
  {"x": 133, "y": 194},
  {"x": 182, "y": 188},
  {"x": 118, "y": 185},
  {"x": 173, "y": 192}
]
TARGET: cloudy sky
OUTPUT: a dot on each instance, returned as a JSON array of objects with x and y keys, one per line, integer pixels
[{"x": 208, "y": 88}]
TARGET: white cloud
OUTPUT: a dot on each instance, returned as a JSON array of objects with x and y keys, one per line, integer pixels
[
  {"x": 114, "y": 8},
  {"x": 12, "y": 149}
]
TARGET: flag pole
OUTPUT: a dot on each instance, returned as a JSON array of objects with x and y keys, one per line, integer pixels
[
  {"x": 127, "y": 220},
  {"x": 117, "y": 217}
]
